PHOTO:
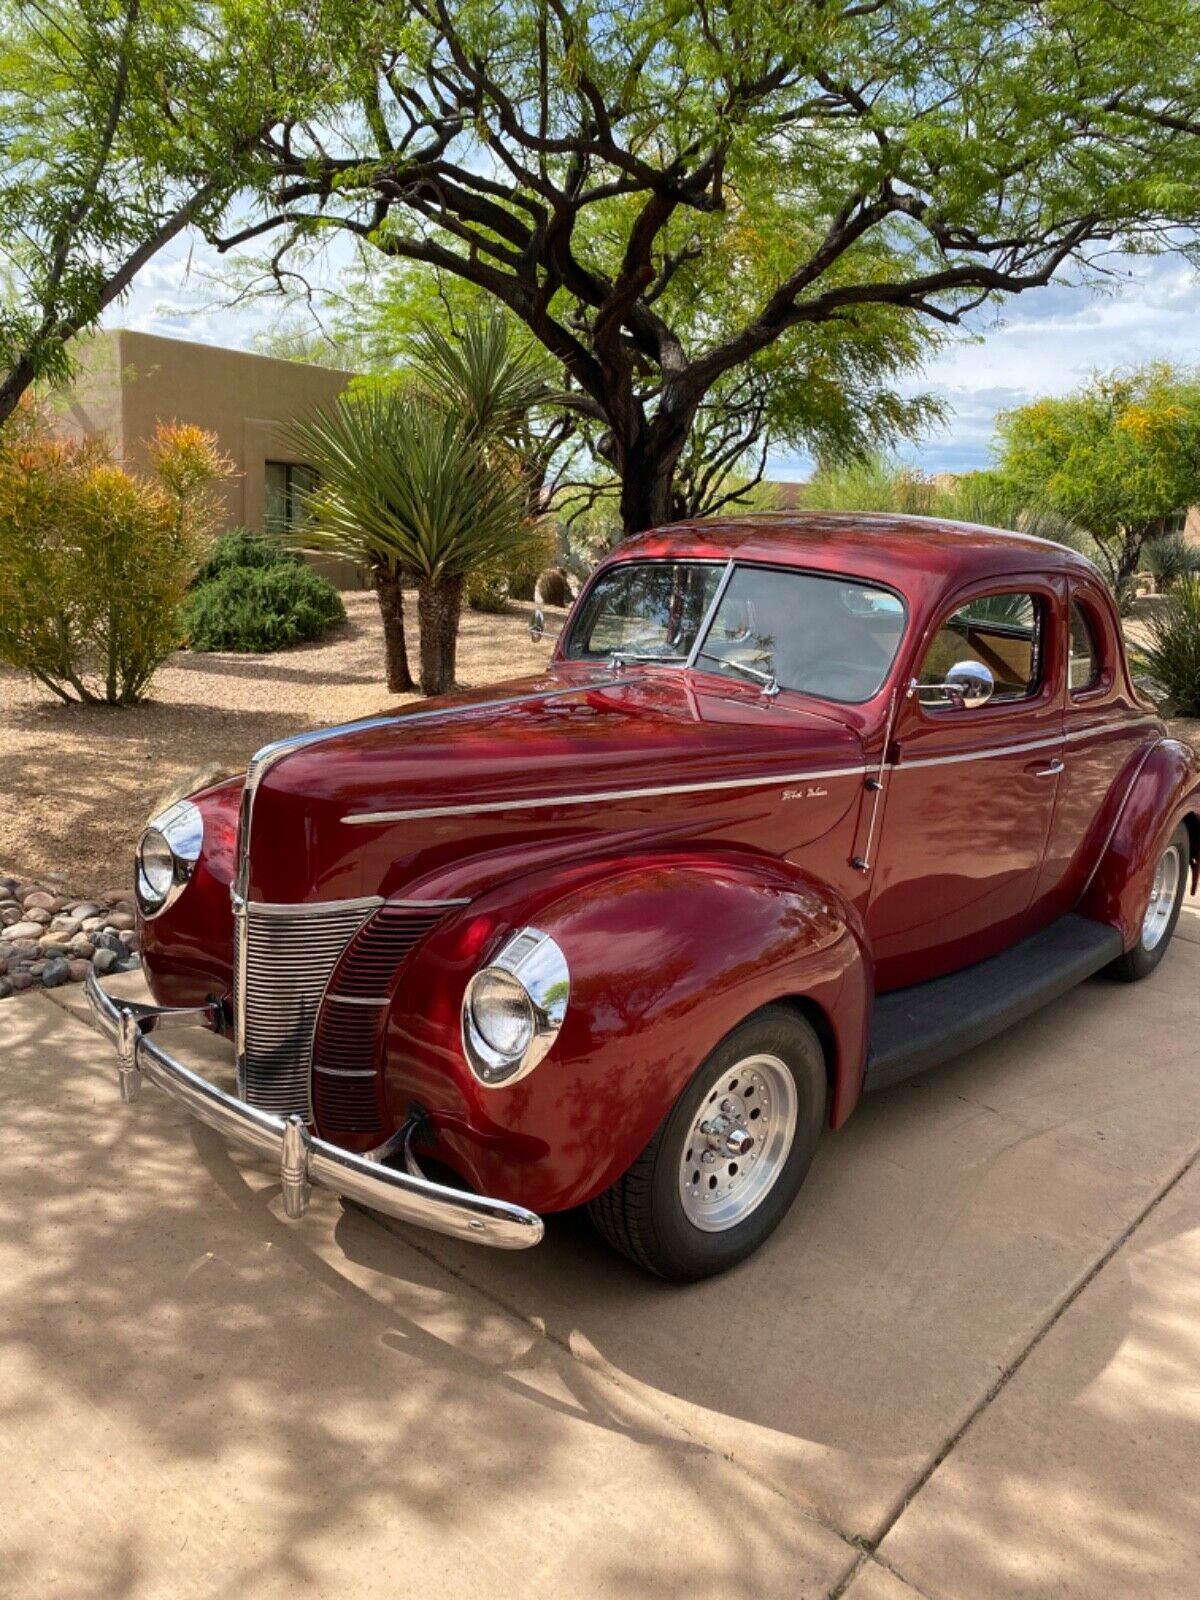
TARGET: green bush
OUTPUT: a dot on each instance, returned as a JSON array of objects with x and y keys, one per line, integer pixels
[
  {"x": 513, "y": 575},
  {"x": 256, "y": 609},
  {"x": 1172, "y": 657},
  {"x": 241, "y": 548}
]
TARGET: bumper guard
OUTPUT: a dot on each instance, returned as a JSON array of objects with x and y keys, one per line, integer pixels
[{"x": 302, "y": 1158}]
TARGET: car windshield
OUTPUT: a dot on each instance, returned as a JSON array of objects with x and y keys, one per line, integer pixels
[
  {"x": 826, "y": 636},
  {"x": 832, "y": 637},
  {"x": 644, "y": 610}
]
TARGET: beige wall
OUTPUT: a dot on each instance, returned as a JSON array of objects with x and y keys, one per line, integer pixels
[{"x": 129, "y": 382}]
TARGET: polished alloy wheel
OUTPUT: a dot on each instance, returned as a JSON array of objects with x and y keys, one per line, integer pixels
[
  {"x": 738, "y": 1143},
  {"x": 1162, "y": 899}
]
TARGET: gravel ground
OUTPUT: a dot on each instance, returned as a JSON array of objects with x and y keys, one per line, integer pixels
[{"x": 78, "y": 782}]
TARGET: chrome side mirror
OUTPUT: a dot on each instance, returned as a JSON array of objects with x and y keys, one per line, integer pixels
[
  {"x": 968, "y": 685},
  {"x": 537, "y": 625}
]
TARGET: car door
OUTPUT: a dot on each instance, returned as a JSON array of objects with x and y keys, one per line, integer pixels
[{"x": 970, "y": 792}]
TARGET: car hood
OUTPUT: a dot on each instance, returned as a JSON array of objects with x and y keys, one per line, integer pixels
[{"x": 373, "y": 806}]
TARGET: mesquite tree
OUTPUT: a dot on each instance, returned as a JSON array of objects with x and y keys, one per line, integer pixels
[
  {"x": 593, "y": 166},
  {"x": 123, "y": 123}
]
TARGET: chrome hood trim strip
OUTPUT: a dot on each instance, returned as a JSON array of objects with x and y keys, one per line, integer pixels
[{"x": 478, "y": 807}]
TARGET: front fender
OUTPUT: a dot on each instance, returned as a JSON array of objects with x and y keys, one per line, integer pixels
[
  {"x": 666, "y": 956},
  {"x": 1164, "y": 792}
]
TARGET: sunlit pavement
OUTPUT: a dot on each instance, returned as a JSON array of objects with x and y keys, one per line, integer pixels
[{"x": 967, "y": 1366}]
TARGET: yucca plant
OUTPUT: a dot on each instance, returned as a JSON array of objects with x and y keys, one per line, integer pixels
[
  {"x": 1170, "y": 559},
  {"x": 407, "y": 486},
  {"x": 1172, "y": 656},
  {"x": 485, "y": 375}
]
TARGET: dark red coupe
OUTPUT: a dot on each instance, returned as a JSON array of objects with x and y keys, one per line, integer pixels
[{"x": 800, "y": 806}]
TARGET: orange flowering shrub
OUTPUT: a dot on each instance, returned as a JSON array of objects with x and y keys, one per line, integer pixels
[{"x": 95, "y": 562}]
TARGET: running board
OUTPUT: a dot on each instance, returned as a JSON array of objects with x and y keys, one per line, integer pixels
[{"x": 928, "y": 1023}]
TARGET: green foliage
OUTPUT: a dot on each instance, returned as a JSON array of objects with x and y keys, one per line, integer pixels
[
  {"x": 95, "y": 563},
  {"x": 123, "y": 123},
  {"x": 243, "y": 547},
  {"x": 1170, "y": 560},
  {"x": 1120, "y": 457},
  {"x": 261, "y": 607},
  {"x": 876, "y": 483},
  {"x": 1172, "y": 657},
  {"x": 512, "y": 576}
]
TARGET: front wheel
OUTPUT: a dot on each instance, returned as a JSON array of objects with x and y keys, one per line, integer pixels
[
  {"x": 1162, "y": 912},
  {"x": 725, "y": 1164}
]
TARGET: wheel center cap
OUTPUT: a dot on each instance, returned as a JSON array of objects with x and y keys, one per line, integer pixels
[{"x": 728, "y": 1135}]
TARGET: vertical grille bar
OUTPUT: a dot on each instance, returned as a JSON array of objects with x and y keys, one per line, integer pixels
[{"x": 288, "y": 954}]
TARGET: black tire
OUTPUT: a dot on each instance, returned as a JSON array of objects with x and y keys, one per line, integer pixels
[
  {"x": 642, "y": 1215},
  {"x": 1141, "y": 961}
]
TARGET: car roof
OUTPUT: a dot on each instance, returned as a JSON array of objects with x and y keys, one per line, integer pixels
[{"x": 932, "y": 552}]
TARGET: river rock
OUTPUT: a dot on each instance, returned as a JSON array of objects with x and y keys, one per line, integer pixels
[
  {"x": 18, "y": 981},
  {"x": 104, "y": 960},
  {"x": 120, "y": 919},
  {"x": 37, "y": 914},
  {"x": 81, "y": 945},
  {"x": 78, "y": 970},
  {"x": 41, "y": 899},
  {"x": 24, "y": 930},
  {"x": 84, "y": 908},
  {"x": 56, "y": 973}
]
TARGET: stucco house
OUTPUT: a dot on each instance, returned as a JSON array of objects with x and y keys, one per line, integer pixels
[{"x": 127, "y": 382}]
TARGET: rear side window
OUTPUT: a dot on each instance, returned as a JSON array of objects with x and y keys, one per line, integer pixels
[
  {"x": 1004, "y": 631},
  {"x": 1084, "y": 663}
]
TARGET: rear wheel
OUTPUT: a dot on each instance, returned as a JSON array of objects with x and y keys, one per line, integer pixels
[
  {"x": 1162, "y": 913},
  {"x": 725, "y": 1164}
]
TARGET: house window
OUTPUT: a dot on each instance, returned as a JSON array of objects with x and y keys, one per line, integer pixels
[{"x": 288, "y": 484}]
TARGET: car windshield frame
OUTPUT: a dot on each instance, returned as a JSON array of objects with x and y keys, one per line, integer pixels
[{"x": 693, "y": 661}]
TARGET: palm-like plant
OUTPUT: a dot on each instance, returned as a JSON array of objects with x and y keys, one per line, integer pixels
[
  {"x": 485, "y": 375},
  {"x": 408, "y": 489}
]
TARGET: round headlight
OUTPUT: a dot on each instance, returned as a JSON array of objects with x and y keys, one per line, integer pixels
[
  {"x": 167, "y": 854},
  {"x": 513, "y": 1009},
  {"x": 156, "y": 866},
  {"x": 502, "y": 1012}
]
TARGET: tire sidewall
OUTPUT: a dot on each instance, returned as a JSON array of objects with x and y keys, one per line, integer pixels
[{"x": 688, "y": 1251}]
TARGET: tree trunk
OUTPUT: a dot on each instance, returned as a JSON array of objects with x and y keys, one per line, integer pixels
[
  {"x": 389, "y": 587},
  {"x": 439, "y": 606},
  {"x": 647, "y": 464}
]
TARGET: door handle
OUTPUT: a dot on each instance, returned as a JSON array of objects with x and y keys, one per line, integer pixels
[{"x": 1052, "y": 771}]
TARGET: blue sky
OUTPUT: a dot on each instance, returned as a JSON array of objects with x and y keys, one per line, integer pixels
[{"x": 1044, "y": 342}]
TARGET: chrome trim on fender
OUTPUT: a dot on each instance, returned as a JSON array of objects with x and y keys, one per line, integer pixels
[
  {"x": 476, "y": 808},
  {"x": 301, "y": 1157}
]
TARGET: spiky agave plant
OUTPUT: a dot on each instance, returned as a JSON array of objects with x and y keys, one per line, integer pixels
[{"x": 407, "y": 486}]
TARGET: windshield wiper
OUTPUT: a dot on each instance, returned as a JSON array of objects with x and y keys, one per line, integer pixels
[
  {"x": 767, "y": 679},
  {"x": 616, "y": 656}
]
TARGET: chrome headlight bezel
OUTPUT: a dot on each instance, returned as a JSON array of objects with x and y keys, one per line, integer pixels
[
  {"x": 181, "y": 828},
  {"x": 535, "y": 963}
]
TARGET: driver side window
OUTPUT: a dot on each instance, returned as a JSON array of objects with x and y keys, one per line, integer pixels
[{"x": 1004, "y": 631}]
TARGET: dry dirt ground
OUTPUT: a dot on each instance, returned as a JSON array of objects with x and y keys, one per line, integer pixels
[{"x": 78, "y": 782}]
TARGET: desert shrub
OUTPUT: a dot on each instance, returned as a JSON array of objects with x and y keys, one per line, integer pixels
[
  {"x": 256, "y": 609},
  {"x": 553, "y": 588},
  {"x": 242, "y": 547},
  {"x": 1172, "y": 656},
  {"x": 513, "y": 575},
  {"x": 95, "y": 562},
  {"x": 1169, "y": 559}
]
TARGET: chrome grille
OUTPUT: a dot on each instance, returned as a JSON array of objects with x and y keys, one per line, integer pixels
[{"x": 289, "y": 952}]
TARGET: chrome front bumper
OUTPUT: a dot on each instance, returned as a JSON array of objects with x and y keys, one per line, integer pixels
[{"x": 302, "y": 1158}]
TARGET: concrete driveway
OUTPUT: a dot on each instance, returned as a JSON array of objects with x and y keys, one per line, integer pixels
[{"x": 967, "y": 1366}]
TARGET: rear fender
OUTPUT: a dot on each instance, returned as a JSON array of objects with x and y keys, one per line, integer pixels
[
  {"x": 666, "y": 956},
  {"x": 1164, "y": 792}
]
